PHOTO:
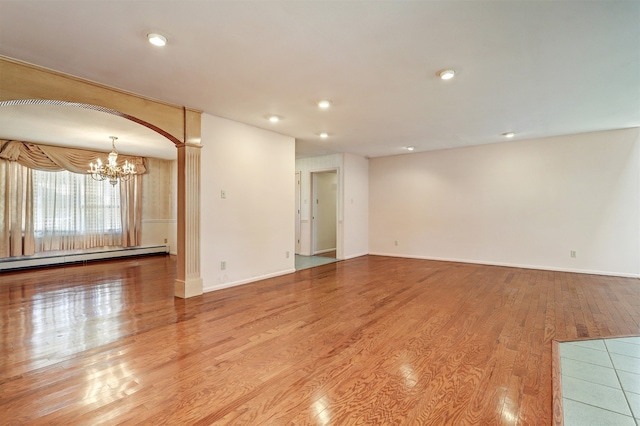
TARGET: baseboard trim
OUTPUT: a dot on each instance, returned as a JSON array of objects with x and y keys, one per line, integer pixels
[
  {"x": 207, "y": 289},
  {"x": 62, "y": 258},
  {"x": 324, "y": 251},
  {"x": 513, "y": 265},
  {"x": 353, "y": 256}
]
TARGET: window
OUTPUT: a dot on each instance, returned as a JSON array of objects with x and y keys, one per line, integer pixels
[{"x": 73, "y": 211}]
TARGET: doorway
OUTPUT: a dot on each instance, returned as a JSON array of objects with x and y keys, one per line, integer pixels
[
  {"x": 298, "y": 214},
  {"x": 324, "y": 195},
  {"x": 319, "y": 233}
]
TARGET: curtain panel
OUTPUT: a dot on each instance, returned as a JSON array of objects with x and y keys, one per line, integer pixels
[
  {"x": 16, "y": 210},
  {"x": 55, "y": 158},
  {"x": 131, "y": 211},
  {"x": 84, "y": 214}
]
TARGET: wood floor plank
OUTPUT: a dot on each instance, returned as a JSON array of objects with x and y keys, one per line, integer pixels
[{"x": 372, "y": 340}]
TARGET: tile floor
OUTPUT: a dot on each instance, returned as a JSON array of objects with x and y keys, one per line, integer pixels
[
  {"x": 601, "y": 382},
  {"x": 305, "y": 262}
]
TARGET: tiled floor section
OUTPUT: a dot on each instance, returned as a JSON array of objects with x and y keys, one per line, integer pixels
[
  {"x": 304, "y": 262},
  {"x": 601, "y": 382}
]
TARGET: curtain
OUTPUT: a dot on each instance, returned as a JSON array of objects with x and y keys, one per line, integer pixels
[
  {"x": 17, "y": 227},
  {"x": 74, "y": 212},
  {"x": 16, "y": 210},
  {"x": 131, "y": 211},
  {"x": 54, "y": 158}
]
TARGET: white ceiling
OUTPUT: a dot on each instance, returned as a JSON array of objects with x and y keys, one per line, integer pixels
[{"x": 538, "y": 68}]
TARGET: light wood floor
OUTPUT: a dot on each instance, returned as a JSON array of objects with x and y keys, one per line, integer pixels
[
  {"x": 369, "y": 341},
  {"x": 331, "y": 254}
]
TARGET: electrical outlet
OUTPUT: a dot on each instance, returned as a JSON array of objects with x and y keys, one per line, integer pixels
[
  {"x": 165, "y": 241},
  {"x": 223, "y": 193},
  {"x": 287, "y": 255},
  {"x": 396, "y": 242},
  {"x": 573, "y": 253},
  {"x": 223, "y": 265}
]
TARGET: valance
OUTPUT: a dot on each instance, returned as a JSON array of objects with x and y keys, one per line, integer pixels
[{"x": 56, "y": 158}]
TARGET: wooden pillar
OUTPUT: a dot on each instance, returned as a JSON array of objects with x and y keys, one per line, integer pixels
[{"x": 188, "y": 282}]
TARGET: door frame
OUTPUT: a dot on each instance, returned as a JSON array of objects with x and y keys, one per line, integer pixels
[
  {"x": 298, "y": 191},
  {"x": 312, "y": 210}
]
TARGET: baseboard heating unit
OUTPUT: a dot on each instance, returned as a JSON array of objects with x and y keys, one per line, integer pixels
[{"x": 52, "y": 258}]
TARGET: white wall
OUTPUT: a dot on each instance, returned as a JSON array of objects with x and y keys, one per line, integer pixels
[
  {"x": 356, "y": 206},
  {"x": 524, "y": 203},
  {"x": 253, "y": 227}
]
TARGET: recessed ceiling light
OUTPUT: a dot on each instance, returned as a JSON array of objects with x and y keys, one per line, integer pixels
[
  {"x": 446, "y": 74},
  {"x": 157, "y": 39},
  {"x": 324, "y": 135},
  {"x": 508, "y": 134},
  {"x": 274, "y": 119},
  {"x": 324, "y": 104},
  {"x": 410, "y": 148}
]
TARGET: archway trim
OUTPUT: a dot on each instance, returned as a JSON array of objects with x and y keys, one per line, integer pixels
[{"x": 24, "y": 83}]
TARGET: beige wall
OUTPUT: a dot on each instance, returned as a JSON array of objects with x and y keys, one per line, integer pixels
[{"x": 159, "y": 203}]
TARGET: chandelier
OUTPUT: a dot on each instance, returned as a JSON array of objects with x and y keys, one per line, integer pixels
[{"x": 111, "y": 171}]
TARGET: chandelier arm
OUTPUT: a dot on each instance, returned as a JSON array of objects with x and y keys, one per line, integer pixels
[{"x": 97, "y": 177}]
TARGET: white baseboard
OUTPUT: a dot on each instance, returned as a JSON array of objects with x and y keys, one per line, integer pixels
[
  {"x": 353, "y": 256},
  {"x": 324, "y": 251},
  {"x": 209, "y": 288},
  {"x": 53, "y": 258},
  {"x": 513, "y": 265}
]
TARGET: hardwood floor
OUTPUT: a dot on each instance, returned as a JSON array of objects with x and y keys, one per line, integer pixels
[
  {"x": 331, "y": 254},
  {"x": 371, "y": 341}
]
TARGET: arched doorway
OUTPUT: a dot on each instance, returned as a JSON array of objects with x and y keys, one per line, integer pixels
[{"x": 22, "y": 83}]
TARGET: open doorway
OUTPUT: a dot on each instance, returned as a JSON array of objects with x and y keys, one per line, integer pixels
[
  {"x": 323, "y": 220},
  {"x": 324, "y": 195}
]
